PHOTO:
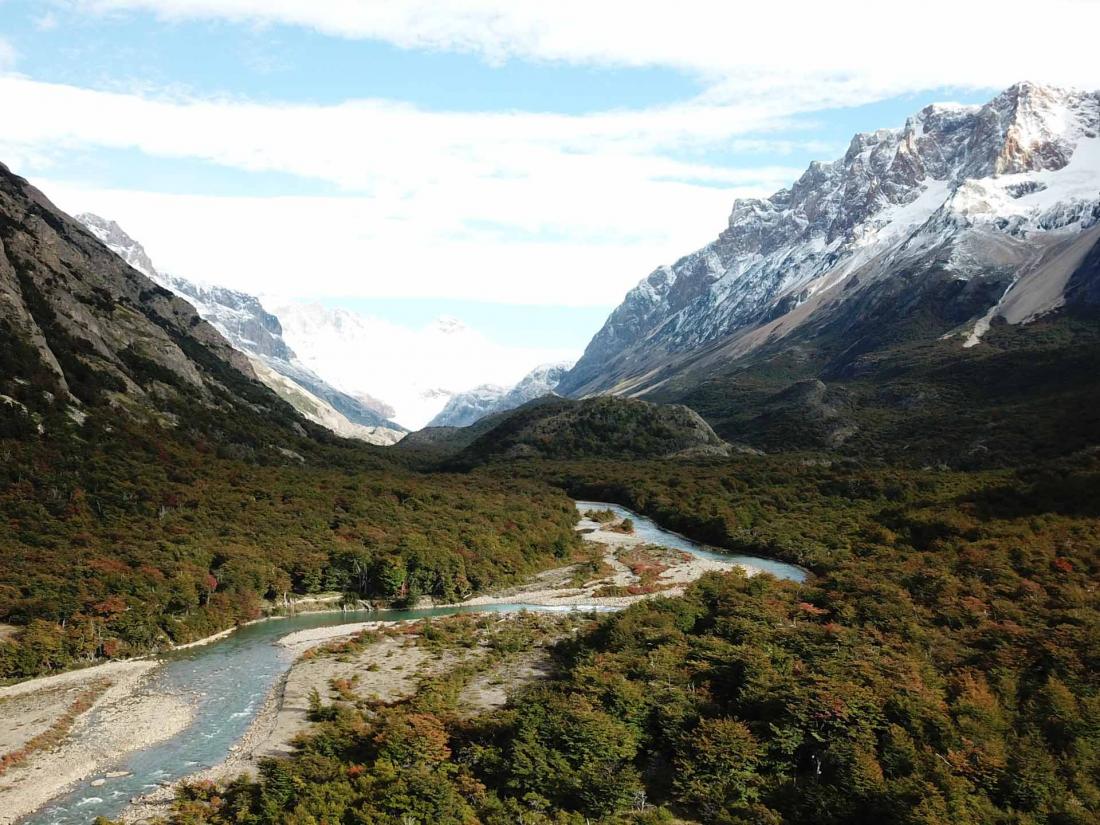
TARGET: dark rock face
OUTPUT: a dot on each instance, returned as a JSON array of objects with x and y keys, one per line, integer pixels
[
  {"x": 956, "y": 190},
  {"x": 242, "y": 319},
  {"x": 1084, "y": 285},
  {"x": 93, "y": 319}
]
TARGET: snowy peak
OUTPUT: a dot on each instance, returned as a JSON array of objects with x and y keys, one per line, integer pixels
[
  {"x": 1039, "y": 127},
  {"x": 1027, "y": 128},
  {"x": 258, "y": 334},
  {"x": 449, "y": 325},
  {"x": 469, "y": 407},
  {"x": 465, "y": 408},
  {"x": 115, "y": 239},
  {"x": 237, "y": 315},
  {"x": 972, "y": 187}
]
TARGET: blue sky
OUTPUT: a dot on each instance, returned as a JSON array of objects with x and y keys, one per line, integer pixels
[{"x": 518, "y": 165}]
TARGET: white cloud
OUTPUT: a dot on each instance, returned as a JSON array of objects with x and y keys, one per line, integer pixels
[
  {"x": 797, "y": 44},
  {"x": 366, "y": 145},
  {"x": 354, "y": 246},
  {"x": 413, "y": 369},
  {"x": 512, "y": 207},
  {"x": 46, "y": 22},
  {"x": 515, "y": 206}
]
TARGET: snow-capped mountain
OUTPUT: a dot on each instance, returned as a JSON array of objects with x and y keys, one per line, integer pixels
[
  {"x": 238, "y": 316},
  {"x": 992, "y": 204},
  {"x": 466, "y": 408},
  {"x": 257, "y": 333},
  {"x": 540, "y": 381},
  {"x": 417, "y": 369}
]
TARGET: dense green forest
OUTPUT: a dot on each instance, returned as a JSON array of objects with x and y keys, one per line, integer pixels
[
  {"x": 939, "y": 668},
  {"x": 123, "y": 539}
]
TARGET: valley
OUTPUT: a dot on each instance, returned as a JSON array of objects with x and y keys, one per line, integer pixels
[
  {"x": 809, "y": 535},
  {"x": 189, "y": 691}
]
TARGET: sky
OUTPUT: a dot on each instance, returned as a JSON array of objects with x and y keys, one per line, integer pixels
[{"x": 516, "y": 164}]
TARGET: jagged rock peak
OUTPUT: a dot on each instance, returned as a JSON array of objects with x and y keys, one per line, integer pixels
[
  {"x": 116, "y": 239},
  {"x": 1027, "y": 161}
]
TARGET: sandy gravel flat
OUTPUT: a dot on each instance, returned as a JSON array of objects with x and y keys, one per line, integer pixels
[
  {"x": 553, "y": 587},
  {"x": 126, "y": 717},
  {"x": 302, "y": 640},
  {"x": 388, "y": 670}
]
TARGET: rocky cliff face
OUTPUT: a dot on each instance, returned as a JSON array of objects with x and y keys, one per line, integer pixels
[
  {"x": 466, "y": 408},
  {"x": 238, "y": 316},
  {"x": 97, "y": 325},
  {"x": 983, "y": 207},
  {"x": 258, "y": 334}
]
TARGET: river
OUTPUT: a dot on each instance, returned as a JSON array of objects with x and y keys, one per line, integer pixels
[{"x": 230, "y": 678}]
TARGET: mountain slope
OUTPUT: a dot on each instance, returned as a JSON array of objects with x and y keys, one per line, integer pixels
[
  {"x": 257, "y": 333},
  {"x": 872, "y": 276},
  {"x": 153, "y": 491},
  {"x": 465, "y": 408},
  {"x": 81, "y": 327},
  {"x": 979, "y": 199}
]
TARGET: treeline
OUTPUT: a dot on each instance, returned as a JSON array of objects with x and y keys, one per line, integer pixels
[
  {"x": 125, "y": 538},
  {"x": 803, "y": 508},
  {"x": 940, "y": 668}
]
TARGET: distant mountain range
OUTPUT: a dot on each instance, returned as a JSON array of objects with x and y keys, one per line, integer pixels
[
  {"x": 416, "y": 367},
  {"x": 324, "y": 361},
  {"x": 468, "y": 407},
  {"x": 934, "y": 292},
  {"x": 944, "y": 242},
  {"x": 258, "y": 334}
]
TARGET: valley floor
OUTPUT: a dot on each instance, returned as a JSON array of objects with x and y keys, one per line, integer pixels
[
  {"x": 122, "y": 718},
  {"x": 626, "y": 571},
  {"x": 392, "y": 668},
  {"x": 387, "y": 670}
]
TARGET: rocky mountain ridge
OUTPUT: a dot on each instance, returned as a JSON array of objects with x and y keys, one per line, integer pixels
[
  {"x": 257, "y": 333},
  {"x": 993, "y": 204},
  {"x": 82, "y": 331}
]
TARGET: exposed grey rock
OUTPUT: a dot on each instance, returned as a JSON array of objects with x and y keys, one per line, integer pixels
[
  {"x": 258, "y": 334},
  {"x": 985, "y": 193},
  {"x": 465, "y": 408},
  {"x": 54, "y": 273}
]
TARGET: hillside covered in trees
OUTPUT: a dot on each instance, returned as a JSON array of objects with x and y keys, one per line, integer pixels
[
  {"x": 939, "y": 668},
  {"x": 118, "y": 545}
]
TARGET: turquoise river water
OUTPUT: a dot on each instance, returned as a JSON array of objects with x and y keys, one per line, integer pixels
[{"x": 230, "y": 678}]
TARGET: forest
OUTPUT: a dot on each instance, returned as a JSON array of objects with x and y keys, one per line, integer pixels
[
  {"x": 123, "y": 541},
  {"x": 938, "y": 668}
]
